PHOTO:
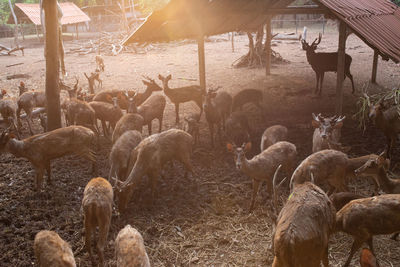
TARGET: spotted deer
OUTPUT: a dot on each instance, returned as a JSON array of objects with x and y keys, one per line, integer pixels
[
  {"x": 130, "y": 249},
  {"x": 327, "y": 133}
]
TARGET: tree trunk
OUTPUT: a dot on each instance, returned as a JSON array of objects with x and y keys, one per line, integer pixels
[
  {"x": 52, "y": 65},
  {"x": 16, "y": 24}
]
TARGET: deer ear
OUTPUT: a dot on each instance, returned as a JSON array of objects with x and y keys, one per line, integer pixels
[
  {"x": 145, "y": 82},
  {"x": 315, "y": 123},
  {"x": 169, "y": 77},
  {"x": 11, "y": 135},
  {"x": 229, "y": 146},
  {"x": 247, "y": 147},
  {"x": 338, "y": 125}
]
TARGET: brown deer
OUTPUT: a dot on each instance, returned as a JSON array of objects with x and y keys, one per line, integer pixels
[
  {"x": 100, "y": 63},
  {"x": 151, "y": 87},
  {"x": 51, "y": 250},
  {"x": 150, "y": 156},
  {"x": 237, "y": 129},
  {"x": 182, "y": 95},
  {"x": 94, "y": 76},
  {"x": 340, "y": 199},
  {"x": 248, "y": 96},
  {"x": 8, "y": 110},
  {"x": 27, "y": 101},
  {"x": 363, "y": 218},
  {"x": 327, "y": 133},
  {"x": 386, "y": 119},
  {"x": 40, "y": 149},
  {"x": 120, "y": 153},
  {"x": 272, "y": 135},
  {"x": 107, "y": 112},
  {"x": 193, "y": 127},
  {"x": 324, "y": 62},
  {"x": 261, "y": 167},
  {"x": 97, "y": 211},
  {"x": 217, "y": 107},
  {"x": 130, "y": 249},
  {"x": 302, "y": 229}
]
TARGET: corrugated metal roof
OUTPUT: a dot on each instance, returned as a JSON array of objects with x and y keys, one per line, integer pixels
[
  {"x": 377, "y": 22},
  {"x": 31, "y": 13}
]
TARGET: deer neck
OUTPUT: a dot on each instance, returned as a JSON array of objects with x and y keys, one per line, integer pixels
[
  {"x": 310, "y": 56},
  {"x": 355, "y": 163},
  {"x": 166, "y": 88},
  {"x": 17, "y": 148},
  {"x": 387, "y": 184},
  {"x": 246, "y": 165},
  {"x": 146, "y": 94}
]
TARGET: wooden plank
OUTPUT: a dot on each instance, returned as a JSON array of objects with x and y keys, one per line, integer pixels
[
  {"x": 268, "y": 47},
  {"x": 340, "y": 68},
  {"x": 52, "y": 64},
  {"x": 202, "y": 63},
  {"x": 374, "y": 66}
]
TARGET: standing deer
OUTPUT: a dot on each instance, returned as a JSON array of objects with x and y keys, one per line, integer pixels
[
  {"x": 100, "y": 63},
  {"x": 327, "y": 133},
  {"x": 94, "y": 76},
  {"x": 97, "y": 210},
  {"x": 237, "y": 129},
  {"x": 8, "y": 110},
  {"x": 273, "y": 135},
  {"x": 387, "y": 119},
  {"x": 27, "y": 101},
  {"x": 182, "y": 95},
  {"x": 217, "y": 107},
  {"x": 302, "y": 229},
  {"x": 130, "y": 249},
  {"x": 193, "y": 127},
  {"x": 324, "y": 62},
  {"x": 51, "y": 250},
  {"x": 363, "y": 218},
  {"x": 261, "y": 167},
  {"x": 107, "y": 112},
  {"x": 40, "y": 149},
  {"x": 248, "y": 96}
]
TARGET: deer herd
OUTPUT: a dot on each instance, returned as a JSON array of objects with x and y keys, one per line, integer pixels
[{"x": 319, "y": 202}]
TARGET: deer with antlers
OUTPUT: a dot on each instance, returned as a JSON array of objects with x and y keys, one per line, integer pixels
[
  {"x": 327, "y": 133},
  {"x": 324, "y": 62}
]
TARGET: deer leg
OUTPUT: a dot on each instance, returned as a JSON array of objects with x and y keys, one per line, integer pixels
[
  {"x": 19, "y": 117},
  {"x": 219, "y": 132},
  {"x": 48, "y": 170},
  {"x": 29, "y": 120},
  {"x": 201, "y": 110},
  {"x": 211, "y": 127},
  {"x": 371, "y": 245},
  {"x": 88, "y": 233},
  {"x": 104, "y": 126},
  {"x": 103, "y": 232},
  {"x": 149, "y": 127},
  {"x": 316, "y": 87},
  {"x": 256, "y": 187},
  {"x": 321, "y": 80},
  {"x": 177, "y": 112},
  {"x": 39, "y": 177},
  {"x": 348, "y": 74},
  {"x": 160, "y": 121},
  {"x": 356, "y": 245}
]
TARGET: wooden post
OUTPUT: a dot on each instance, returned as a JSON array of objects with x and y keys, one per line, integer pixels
[
  {"x": 16, "y": 24},
  {"x": 374, "y": 67},
  {"x": 268, "y": 47},
  {"x": 202, "y": 63},
  {"x": 37, "y": 33},
  {"x": 52, "y": 65},
  {"x": 233, "y": 43},
  {"x": 340, "y": 68},
  {"x": 77, "y": 31}
]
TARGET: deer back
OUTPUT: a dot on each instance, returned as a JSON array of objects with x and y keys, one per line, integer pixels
[
  {"x": 130, "y": 249},
  {"x": 273, "y": 135}
]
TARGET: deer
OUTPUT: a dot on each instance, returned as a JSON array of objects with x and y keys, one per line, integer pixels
[
  {"x": 128, "y": 122},
  {"x": 272, "y": 135},
  {"x": 151, "y": 87},
  {"x": 217, "y": 107},
  {"x": 193, "y": 127},
  {"x": 149, "y": 157},
  {"x": 237, "y": 129},
  {"x": 360, "y": 216},
  {"x": 97, "y": 211},
  {"x": 94, "y": 76},
  {"x": 303, "y": 227},
  {"x": 51, "y": 250},
  {"x": 182, "y": 95},
  {"x": 22, "y": 88},
  {"x": 340, "y": 199},
  {"x": 8, "y": 110},
  {"x": 107, "y": 112},
  {"x": 367, "y": 258},
  {"x": 327, "y": 133},
  {"x": 40, "y": 149},
  {"x": 100, "y": 63},
  {"x": 248, "y": 96},
  {"x": 325, "y": 62},
  {"x": 130, "y": 249},
  {"x": 152, "y": 108},
  {"x": 378, "y": 167},
  {"x": 120, "y": 153},
  {"x": 387, "y": 120},
  {"x": 261, "y": 167},
  {"x": 27, "y": 101}
]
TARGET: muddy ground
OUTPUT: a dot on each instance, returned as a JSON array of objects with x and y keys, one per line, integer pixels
[{"x": 203, "y": 220}]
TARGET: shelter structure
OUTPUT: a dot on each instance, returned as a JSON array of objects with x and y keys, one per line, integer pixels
[
  {"x": 30, "y": 13},
  {"x": 376, "y": 22}
]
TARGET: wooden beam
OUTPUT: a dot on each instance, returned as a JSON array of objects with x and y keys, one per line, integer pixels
[
  {"x": 52, "y": 65},
  {"x": 340, "y": 68},
  {"x": 374, "y": 66},
  {"x": 268, "y": 47},
  {"x": 297, "y": 10},
  {"x": 202, "y": 63}
]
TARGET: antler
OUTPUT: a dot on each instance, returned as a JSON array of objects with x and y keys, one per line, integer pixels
[
  {"x": 317, "y": 40},
  {"x": 274, "y": 189},
  {"x": 147, "y": 78},
  {"x": 318, "y": 117}
]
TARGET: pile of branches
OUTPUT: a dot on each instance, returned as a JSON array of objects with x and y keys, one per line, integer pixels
[
  {"x": 6, "y": 51},
  {"x": 389, "y": 97},
  {"x": 256, "y": 57},
  {"x": 107, "y": 44}
]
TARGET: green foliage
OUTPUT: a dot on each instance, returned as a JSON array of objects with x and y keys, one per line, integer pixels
[
  {"x": 148, "y": 6},
  {"x": 397, "y": 2}
]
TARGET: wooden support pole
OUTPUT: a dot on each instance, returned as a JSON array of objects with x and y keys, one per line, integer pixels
[
  {"x": 268, "y": 47},
  {"x": 340, "y": 68},
  {"x": 202, "y": 63},
  {"x": 52, "y": 65},
  {"x": 374, "y": 67}
]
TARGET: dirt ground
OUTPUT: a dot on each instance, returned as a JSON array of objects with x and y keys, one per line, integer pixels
[{"x": 202, "y": 221}]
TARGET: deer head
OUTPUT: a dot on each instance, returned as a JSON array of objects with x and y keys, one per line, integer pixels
[
  {"x": 327, "y": 125},
  {"x": 313, "y": 46},
  {"x": 372, "y": 166},
  {"x": 151, "y": 84},
  {"x": 165, "y": 80},
  {"x": 239, "y": 153}
]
